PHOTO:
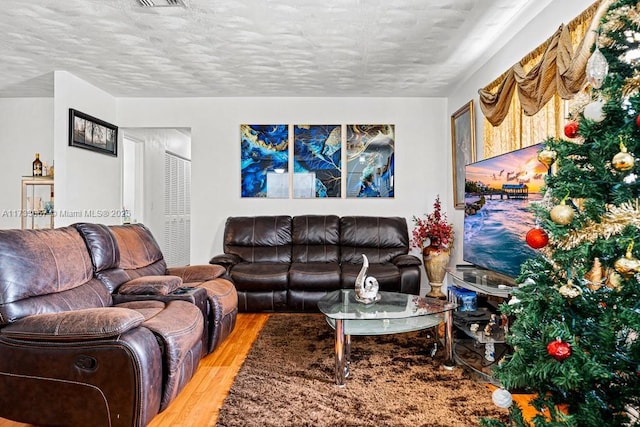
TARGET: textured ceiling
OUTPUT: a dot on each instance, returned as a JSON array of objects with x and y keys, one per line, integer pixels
[{"x": 251, "y": 47}]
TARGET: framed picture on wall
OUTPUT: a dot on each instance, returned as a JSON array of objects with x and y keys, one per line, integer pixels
[
  {"x": 93, "y": 134},
  {"x": 463, "y": 148},
  {"x": 317, "y": 161},
  {"x": 370, "y": 160},
  {"x": 264, "y": 163}
]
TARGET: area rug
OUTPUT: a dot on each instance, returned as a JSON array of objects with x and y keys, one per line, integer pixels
[{"x": 288, "y": 380}]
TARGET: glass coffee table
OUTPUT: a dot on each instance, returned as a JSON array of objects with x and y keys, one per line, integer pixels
[{"x": 394, "y": 313}]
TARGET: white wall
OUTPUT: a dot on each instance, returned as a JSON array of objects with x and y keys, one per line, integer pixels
[
  {"x": 27, "y": 128},
  {"x": 88, "y": 184},
  {"x": 540, "y": 28},
  {"x": 421, "y": 154}
]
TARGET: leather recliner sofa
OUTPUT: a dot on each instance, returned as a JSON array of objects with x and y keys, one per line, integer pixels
[
  {"x": 284, "y": 263},
  {"x": 129, "y": 261},
  {"x": 69, "y": 355}
]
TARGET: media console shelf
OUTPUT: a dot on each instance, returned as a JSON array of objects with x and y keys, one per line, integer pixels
[
  {"x": 479, "y": 350},
  {"x": 482, "y": 281}
]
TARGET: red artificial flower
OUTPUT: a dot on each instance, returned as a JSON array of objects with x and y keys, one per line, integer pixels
[{"x": 433, "y": 231}]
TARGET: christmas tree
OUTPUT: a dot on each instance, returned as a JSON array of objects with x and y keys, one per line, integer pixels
[{"x": 576, "y": 311}]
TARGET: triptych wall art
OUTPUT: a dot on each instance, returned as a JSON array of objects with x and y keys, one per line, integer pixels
[{"x": 316, "y": 155}]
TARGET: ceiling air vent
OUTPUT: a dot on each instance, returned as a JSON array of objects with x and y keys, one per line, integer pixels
[{"x": 162, "y": 3}]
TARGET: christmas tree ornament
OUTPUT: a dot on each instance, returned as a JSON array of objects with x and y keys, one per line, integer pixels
[
  {"x": 593, "y": 111},
  {"x": 547, "y": 157},
  {"x": 571, "y": 129},
  {"x": 514, "y": 302},
  {"x": 628, "y": 265},
  {"x": 537, "y": 238},
  {"x": 623, "y": 161},
  {"x": 614, "y": 280},
  {"x": 569, "y": 291},
  {"x": 559, "y": 349},
  {"x": 630, "y": 179},
  {"x": 502, "y": 398},
  {"x": 597, "y": 68},
  {"x": 562, "y": 214},
  {"x": 593, "y": 277},
  {"x": 638, "y": 120}
]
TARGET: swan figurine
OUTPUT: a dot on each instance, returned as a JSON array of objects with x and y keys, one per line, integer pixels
[{"x": 366, "y": 286}]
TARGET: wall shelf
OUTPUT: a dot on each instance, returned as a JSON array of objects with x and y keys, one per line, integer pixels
[{"x": 36, "y": 209}]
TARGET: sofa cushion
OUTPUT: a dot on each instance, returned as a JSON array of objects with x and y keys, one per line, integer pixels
[
  {"x": 179, "y": 328},
  {"x": 102, "y": 245},
  {"x": 381, "y": 239},
  {"x": 39, "y": 262},
  {"x": 147, "y": 308},
  {"x": 316, "y": 276},
  {"x": 387, "y": 275},
  {"x": 259, "y": 238},
  {"x": 257, "y": 276},
  {"x": 92, "y": 323},
  {"x": 138, "y": 248},
  {"x": 150, "y": 285},
  {"x": 197, "y": 273},
  {"x": 316, "y": 238}
]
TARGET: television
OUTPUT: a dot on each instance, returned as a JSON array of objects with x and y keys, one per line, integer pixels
[{"x": 498, "y": 193}]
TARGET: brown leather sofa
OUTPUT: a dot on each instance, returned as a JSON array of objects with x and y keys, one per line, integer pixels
[
  {"x": 284, "y": 263},
  {"x": 129, "y": 261},
  {"x": 69, "y": 355}
]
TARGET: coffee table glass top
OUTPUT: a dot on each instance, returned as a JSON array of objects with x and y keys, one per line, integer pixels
[{"x": 342, "y": 305}]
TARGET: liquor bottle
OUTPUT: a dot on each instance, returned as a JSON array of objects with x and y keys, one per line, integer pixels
[{"x": 37, "y": 166}]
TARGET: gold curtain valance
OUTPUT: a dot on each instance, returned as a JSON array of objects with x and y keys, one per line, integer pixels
[{"x": 560, "y": 70}]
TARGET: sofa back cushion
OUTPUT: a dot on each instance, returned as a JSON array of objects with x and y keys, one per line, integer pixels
[
  {"x": 316, "y": 238},
  {"x": 140, "y": 254},
  {"x": 102, "y": 245},
  {"x": 259, "y": 238},
  {"x": 380, "y": 238},
  {"x": 46, "y": 271}
]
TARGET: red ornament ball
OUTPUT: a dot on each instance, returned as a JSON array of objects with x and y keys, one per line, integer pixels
[
  {"x": 571, "y": 129},
  {"x": 559, "y": 349},
  {"x": 638, "y": 120},
  {"x": 537, "y": 238}
]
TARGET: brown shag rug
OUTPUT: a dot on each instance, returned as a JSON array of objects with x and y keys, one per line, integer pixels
[{"x": 288, "y": 380}]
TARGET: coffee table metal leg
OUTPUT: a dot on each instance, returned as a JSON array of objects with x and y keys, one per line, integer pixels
[
  {"x": 448, "y": 338},
  {"x": 341, "y": 366},
  {"x": 347, "y": 352}
]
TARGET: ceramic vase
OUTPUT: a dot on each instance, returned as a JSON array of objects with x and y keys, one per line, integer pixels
[{"x": 435, "y": 264}]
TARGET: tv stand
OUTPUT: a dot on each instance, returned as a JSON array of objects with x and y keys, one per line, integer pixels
[
  {"x": 479, "y": 351},
  {"x": 483, "y": 281}
]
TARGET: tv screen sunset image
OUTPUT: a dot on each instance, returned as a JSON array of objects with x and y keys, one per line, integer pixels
[{"x": 498, "y": 194}]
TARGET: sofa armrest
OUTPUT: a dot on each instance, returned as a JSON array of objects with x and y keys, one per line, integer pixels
[
  {"x": 77, "y": 325},
  {"x": 197, "y": 273},
  {"x": 150, "y": 285},
  {"x": 226, "y": 260},
  {"x": 407, "y": 260}
]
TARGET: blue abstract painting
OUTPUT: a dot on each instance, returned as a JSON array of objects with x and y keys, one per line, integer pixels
[
  {"x": 370, "y": 160},
  {"x": 317, "y": 161},
  {"x": 264, "y": 160}
]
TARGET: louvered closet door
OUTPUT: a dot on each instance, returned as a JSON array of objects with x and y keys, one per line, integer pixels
[{"x": 177, "y": 208}]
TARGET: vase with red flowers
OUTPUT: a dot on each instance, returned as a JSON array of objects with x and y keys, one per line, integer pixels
[{"x": 433, "y": 235}]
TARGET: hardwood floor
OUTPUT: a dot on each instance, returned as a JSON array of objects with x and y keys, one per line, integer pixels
[{"x": 199, "y": 402}]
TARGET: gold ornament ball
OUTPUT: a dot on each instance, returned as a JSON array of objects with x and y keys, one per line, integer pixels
[
  {"x": 627, "y": 266},
  {"x": 623, "y": 161},
  {"x": 569, "y": 291},
  {"x": 547, "y": 157},
  {"x": 562, "y": 214}
]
